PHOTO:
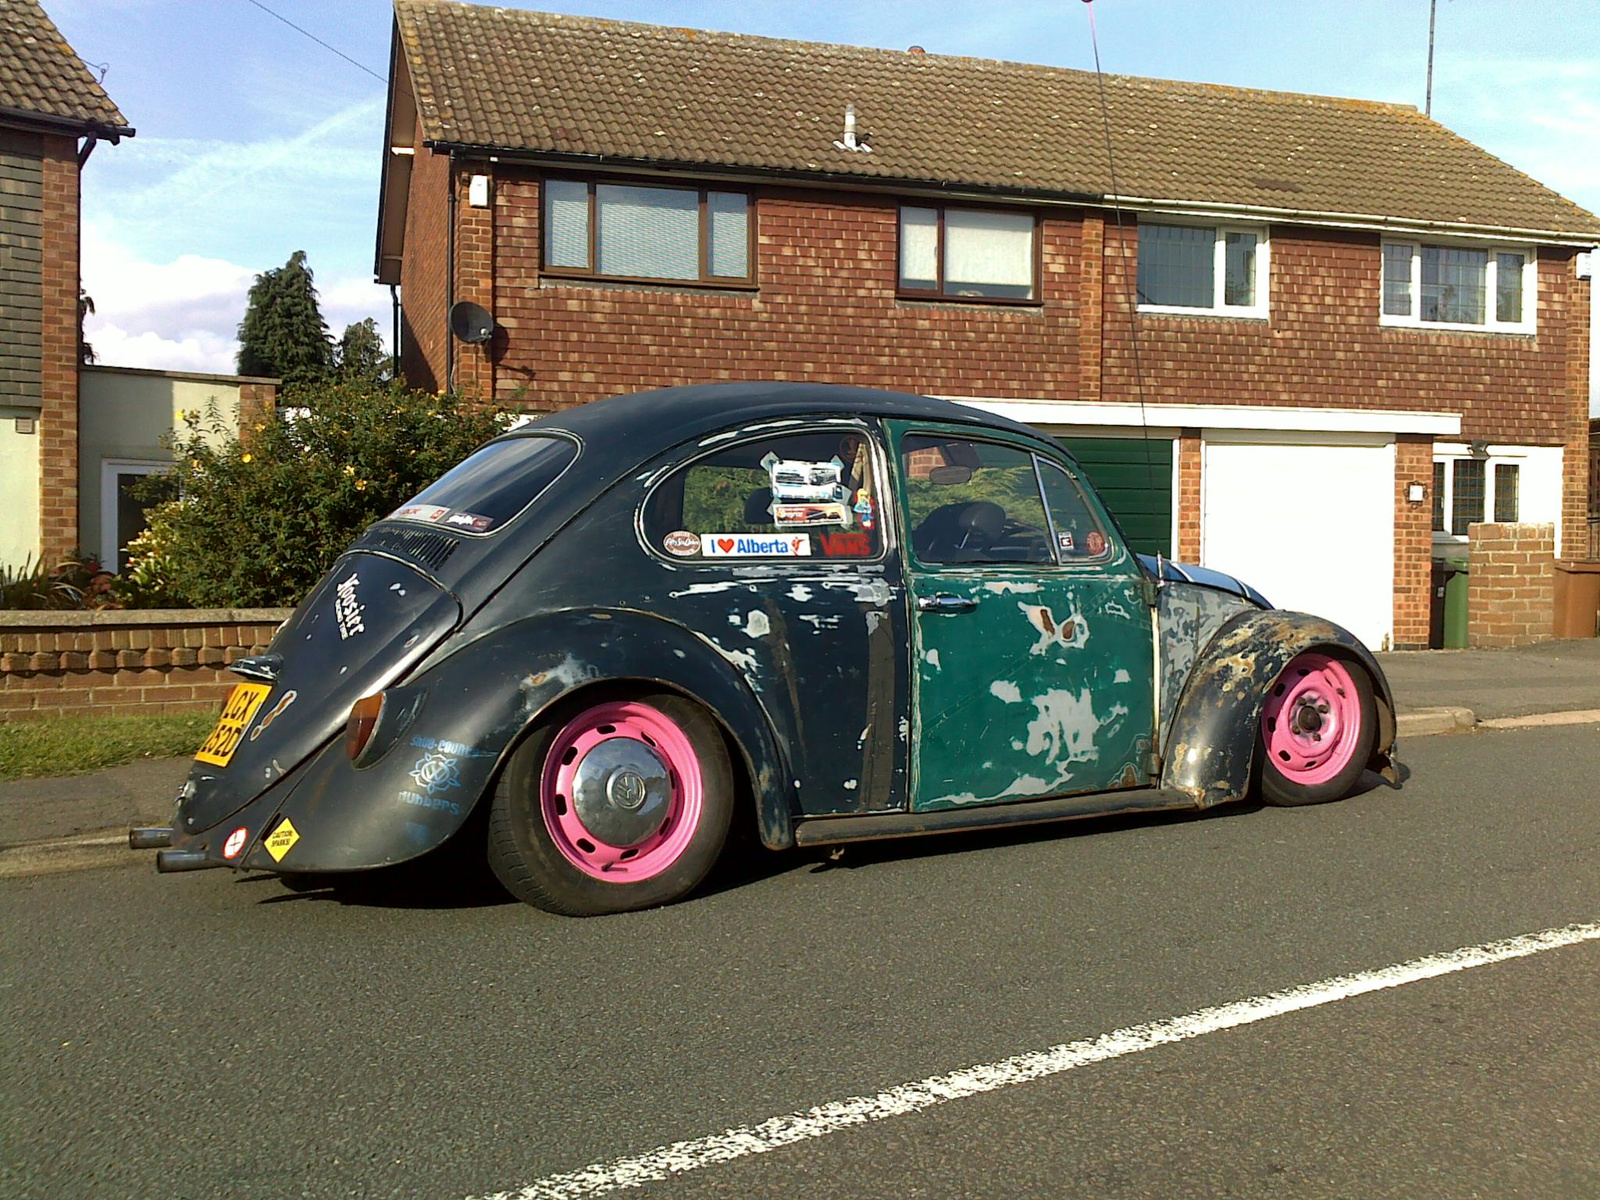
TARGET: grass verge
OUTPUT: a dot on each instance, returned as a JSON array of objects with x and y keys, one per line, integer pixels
[{"x": 74, "y": 745}]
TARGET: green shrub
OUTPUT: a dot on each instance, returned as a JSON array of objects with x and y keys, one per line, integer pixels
[
  {"x": 262, "y": 516},
  {"x": 73, "y": 583}
]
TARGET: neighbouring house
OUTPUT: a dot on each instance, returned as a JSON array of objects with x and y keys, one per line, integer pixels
[
  {"x": 52, "y": 115},
  {"x": 1302, "y": 339}
]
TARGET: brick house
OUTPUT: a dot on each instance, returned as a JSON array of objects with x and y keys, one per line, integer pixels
[
  {"x": 1302, "y": 339},
  {"x": 52, "y": 115}
]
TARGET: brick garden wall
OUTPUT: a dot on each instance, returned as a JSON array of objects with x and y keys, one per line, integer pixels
[
  {"x": 1511, "y": 586},
  {"x": 144, "y": 661}
]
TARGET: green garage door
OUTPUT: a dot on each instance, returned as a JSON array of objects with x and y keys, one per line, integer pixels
[{"x": 1136, "y": 488}]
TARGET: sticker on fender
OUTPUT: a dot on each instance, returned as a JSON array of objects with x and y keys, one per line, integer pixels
[
  {"x": 282, "y": 840},
  {"x": 237, "y": 713}
]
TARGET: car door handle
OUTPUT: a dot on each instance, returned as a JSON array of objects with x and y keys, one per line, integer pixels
[{"x": 944, "y": 602}]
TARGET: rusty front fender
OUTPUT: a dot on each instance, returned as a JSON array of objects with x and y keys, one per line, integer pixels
[{"x": 1210, "y": 749}]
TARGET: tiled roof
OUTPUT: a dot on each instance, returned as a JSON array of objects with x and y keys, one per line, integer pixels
[
  {"x": 537, "y": 82},
  {"x": 40, "y": 73}
]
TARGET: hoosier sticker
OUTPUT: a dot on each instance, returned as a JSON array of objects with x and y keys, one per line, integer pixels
[{"x": 755, "y": 545}]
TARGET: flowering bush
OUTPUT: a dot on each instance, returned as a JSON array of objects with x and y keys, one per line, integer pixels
[
  {"x": 73, "y": 583},
  {"x": 263, "y": 515}
]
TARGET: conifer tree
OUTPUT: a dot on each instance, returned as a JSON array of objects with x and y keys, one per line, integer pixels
[
  {"x": 283, "y": 334},
  {"x": 360, "y": 354}
]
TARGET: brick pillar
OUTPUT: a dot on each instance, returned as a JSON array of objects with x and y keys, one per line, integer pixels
[
  {"x": 1413, "y": 541},
  {"x": 257, "y": 404},
  {"x": 1575, "y": 451},
  {"x": 1091, "y": 295},
  {"x": 1188, "y": 497},
  {"x": 475, "y": 282},
  {"x": 58, "y": 351},
  {"x": 1511, "y": 589}
]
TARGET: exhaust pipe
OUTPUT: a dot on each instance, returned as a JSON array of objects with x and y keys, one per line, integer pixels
[
  {"x": 152, "y": 838},
  {"x": 184, "y": 860}
]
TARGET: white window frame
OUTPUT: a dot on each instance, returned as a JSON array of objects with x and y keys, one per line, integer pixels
[
  {"x": 110, "y": 468},
  {"x": 1491, "y": 323},
  {"x": 1248, "y": 312},
  {"x": 1497, "y": 457}
]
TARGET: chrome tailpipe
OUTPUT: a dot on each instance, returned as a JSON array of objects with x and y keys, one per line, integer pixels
[
  {"x": 184, "y": 860},
  {"x": 150, "y": 838}
]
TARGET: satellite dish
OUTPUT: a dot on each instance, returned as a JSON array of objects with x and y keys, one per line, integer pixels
[{"x": 471, "y": 322}]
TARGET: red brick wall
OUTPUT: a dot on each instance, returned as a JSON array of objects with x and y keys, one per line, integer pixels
[
  {"x": 1594, "y": 474},
  {"x": 475, "y": 281},
  {"x": 1324, "y": 347},
  {"x": 825, "y": 311},
  {"x": 1188, "y": 498},
  {"x": 1575, "y": 457},
  {"x": 58, "y": 368},
  {"x": 1511, "y": 584},
  {"x": 423, "y": 285},
  {"x": 55, "y": 664},
  {"x": 1413, "y": 542}
]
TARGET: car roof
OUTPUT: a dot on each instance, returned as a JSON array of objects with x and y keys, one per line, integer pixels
[{"x": 640, "y": 424}]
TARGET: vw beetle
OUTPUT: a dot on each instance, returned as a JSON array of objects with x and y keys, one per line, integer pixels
[{"x": 864, "y": 614}]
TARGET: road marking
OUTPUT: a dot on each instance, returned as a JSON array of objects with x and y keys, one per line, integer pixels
[{"x": 600, "y": 1178}]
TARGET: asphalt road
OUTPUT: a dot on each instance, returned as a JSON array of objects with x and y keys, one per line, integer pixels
[{"x": 199, "y": 1036}]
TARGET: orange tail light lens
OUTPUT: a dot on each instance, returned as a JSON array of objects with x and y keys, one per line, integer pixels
[{"x": 363, "y": 720}]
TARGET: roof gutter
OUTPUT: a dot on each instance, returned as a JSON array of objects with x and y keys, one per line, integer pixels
[
  {"x": 1298, "y": 216},
  {"x": 75, "y": 126}
]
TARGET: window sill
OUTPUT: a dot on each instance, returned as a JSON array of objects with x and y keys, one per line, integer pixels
[
  {"x": 619, "y": 283},
  {"x": 1257, "y": 315},
  {"x": 1392, "y": 322},
  {"x": 936, "y": 301}
]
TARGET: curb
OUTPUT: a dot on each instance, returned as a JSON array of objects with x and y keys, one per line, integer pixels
[
  {"x": 81, "y": 852},
  {"x": 1424, "y": 722},
  {"x": 1581, "y": 716}
]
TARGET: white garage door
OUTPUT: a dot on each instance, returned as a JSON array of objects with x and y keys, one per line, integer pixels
[{"x": 1309, "y": 525}]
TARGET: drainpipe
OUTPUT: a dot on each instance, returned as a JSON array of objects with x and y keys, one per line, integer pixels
[
  {"x": 450, "y": 282},
  {"x": 394, "y": 343}
]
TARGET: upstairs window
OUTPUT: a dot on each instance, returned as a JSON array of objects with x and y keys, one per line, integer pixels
[
  {"x": 967, "y": 254},
  {"x": 648, "y": 233},
  {"x": 1194, "y": 268},
  {"x": 1458, "y": 287}
]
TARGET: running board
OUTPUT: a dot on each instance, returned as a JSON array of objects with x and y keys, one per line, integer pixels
[{"x": 822, "y": 831}]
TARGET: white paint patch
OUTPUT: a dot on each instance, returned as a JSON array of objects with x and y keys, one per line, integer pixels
[
  {"x": 874, "y": 619},
  {"x": 1122, "y": 676},
  {"x": 743, "y": 659},
  {"x": 679, "y": 1158},
  {"x": 1006, "y": 690},
  {"x": 820, "y": 622},
  {"x": 932, "y": 659},
  {"x": 756, "y": 624},
  {"x": 1001, "y": 587},
  {"x": 1025, "y": 785},
  {"x": 1069, "y": 633},
  {"x": 850, "y": 785},
  {"x": 862, "y": 740},
  {"x": 800, "y": 592},
  {"x": 1064, "y": 729},
  {"x": 704, "y": 589}
]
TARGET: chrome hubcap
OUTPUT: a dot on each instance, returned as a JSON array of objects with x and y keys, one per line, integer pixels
[{"x": 621, "y": 791}]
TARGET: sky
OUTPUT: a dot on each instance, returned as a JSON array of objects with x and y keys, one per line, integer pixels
[{"x": 254, "y": 141}]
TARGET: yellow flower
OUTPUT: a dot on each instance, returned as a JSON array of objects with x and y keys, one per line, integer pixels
[
  {"x": 349, "y": 470},
  {"x": 246, "y": 457},
  {"x": 361, "y": 485},
  {"x": 195, "y": 463},
  {"x": 260, "y": 425}
]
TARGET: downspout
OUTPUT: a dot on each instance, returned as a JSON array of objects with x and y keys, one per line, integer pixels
[
  {"x": 394, "y": 343},
  {"x": 450, "y": 282}
]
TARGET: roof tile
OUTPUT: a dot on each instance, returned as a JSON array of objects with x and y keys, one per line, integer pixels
[{"x": 40, "y": 73}]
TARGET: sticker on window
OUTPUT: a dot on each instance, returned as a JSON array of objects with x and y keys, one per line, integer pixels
[
  {"x": 419, "y": 512},
  {"x": 845, "y": 545},
  {"x": 472, "y": 521},
  {"x": 800, "y": 516},
  {"x": 1065, "y": 539},
  {"x": 799, "y": 481},
  {"x": 1096, "y": 542},
  {"x": 863, "y": 509},
  {"x": 682, "y": 543},
  {"x": 748, "y": 545}
]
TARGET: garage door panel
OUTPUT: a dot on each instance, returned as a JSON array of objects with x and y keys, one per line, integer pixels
[
  {"x": 1133, "y": 477},
  {"x": 1309, "y": 525}
]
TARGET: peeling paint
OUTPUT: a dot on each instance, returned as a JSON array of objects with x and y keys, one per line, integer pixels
[
  {"x": 1064, "y": 730},
  {"x": 1007, "y": 691},
  {"x": 1122, "y": 676},
  {"x": 874, "y": 619},
  {"x": 705, "y": 589},
  {"x": 819, "y": 622},
  {"x": 756, "y": 625},
  {"x": 1001, "y": 587},
  {"x": 800, "y": 592},
  {"x": 1069, "y": 634},
  {"x": 931, "y": 657},
  {"x": 850, "y": 785}
]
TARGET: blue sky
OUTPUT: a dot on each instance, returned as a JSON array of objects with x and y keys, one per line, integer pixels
[{"x": 253, "y": 141}]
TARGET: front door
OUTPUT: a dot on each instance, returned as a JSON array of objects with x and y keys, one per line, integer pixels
[{"x": 1032, "y": 637}]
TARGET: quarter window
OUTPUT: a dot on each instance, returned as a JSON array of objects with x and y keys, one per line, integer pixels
[
  {"x": 1186, "y": 268},
  {"x": 971, "y": 502},
  {"x": 967, "y": 254},
  {"x": 807, "y": 495},
  {"x": 634, "y": 231},
  {"x": 1079, "y": 536},
  {"x": 1457, "y": 287}
]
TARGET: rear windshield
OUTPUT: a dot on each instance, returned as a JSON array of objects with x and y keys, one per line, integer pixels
[{"x": 491, "y": 485}]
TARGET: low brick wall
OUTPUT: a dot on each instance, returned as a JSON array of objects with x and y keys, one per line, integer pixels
[
  {"x": 1511, "y": 584},
  {"x": 143, "y": 661}
]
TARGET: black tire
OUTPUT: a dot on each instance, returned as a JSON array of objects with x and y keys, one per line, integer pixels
[
  {"x": 527, "y": 860},
  {"x": 1281, "y": 790}
]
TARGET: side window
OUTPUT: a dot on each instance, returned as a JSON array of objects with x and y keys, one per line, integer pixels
[
  {"x": 1079, "y": 534},
  {"x": 802, "y": 495},
  {"x": 972, "y": 502}
]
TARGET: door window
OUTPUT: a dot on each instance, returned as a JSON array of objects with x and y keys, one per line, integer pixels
[
  {"x": 1079, "y": 536},
  {"x": 803, "y": 495},
  {"x": 972, "y": 502}
]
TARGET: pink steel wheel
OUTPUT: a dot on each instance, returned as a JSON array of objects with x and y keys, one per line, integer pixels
[
  {"x": 621, "y": 792},
  {"x": 1312, "y": 721}
]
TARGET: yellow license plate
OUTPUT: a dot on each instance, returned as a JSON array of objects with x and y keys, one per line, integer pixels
[{"x": 243, "y": 703}]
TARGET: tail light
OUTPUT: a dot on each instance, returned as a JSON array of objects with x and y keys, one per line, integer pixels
[{"x": 363, "y": 720}]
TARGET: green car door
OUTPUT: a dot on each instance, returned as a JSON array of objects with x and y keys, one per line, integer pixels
[{"x": 1032, "y": 637}]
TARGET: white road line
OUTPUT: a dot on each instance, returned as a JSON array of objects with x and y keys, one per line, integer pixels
[{"x": 598, "y": 1179}]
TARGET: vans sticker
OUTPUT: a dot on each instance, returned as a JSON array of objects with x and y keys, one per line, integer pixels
[
  {"x": 846, "y": 545},
  {"x": 755, "y": 545}
]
